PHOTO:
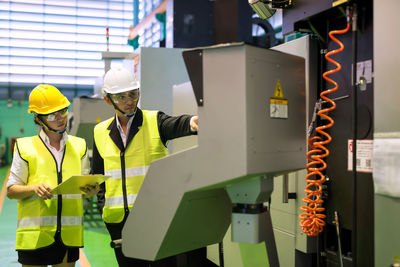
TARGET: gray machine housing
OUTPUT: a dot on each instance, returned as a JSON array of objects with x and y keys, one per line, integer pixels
[{"x": 182, "y": 204}]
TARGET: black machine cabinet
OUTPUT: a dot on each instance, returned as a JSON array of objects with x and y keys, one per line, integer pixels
[{"x": 319, "y": 17}]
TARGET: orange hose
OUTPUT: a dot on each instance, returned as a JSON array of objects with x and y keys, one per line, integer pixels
[{"x": 312, "y": 220}]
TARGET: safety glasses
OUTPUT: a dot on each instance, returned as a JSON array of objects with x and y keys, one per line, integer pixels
[
  {"x": 58, "y": 114},
  {"x": 125, "y": 96}
]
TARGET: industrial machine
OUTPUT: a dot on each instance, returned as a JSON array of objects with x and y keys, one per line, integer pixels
[
  {"x": 344, "y": 228},
  {"x": 345, "y": 54},
  {"x": 195, "y": 194}
]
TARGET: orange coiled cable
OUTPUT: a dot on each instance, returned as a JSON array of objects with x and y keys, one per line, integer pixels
[{"x": 312, "y": 220}]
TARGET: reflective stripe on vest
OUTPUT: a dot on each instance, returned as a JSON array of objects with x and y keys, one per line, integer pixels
[
  {"x": 129, "y": 172},
  {"x": 66, "y": 196},
  {"x": 145, "y": 147},
  {"x": 37, "y": 218},
  {"x": 49, "y": 221},
  {"x": 119, "y": 200}
]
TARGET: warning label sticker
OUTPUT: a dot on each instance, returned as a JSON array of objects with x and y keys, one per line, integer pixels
[
  {"x": 278, "y": 90},
  {"x": 278, "y": 105},
  {"x": 364, "y": 155}
]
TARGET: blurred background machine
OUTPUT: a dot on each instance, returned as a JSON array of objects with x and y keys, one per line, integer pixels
[{"x": 87, "y": 112}]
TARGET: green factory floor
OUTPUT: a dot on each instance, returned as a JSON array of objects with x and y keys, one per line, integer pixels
[{"x": 97, "y": 251}]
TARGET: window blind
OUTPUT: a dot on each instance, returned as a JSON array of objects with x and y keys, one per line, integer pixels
[{"x": 59, "y": 42}]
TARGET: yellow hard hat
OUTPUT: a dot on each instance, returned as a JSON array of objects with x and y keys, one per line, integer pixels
[{"x": 46, "y": 99}]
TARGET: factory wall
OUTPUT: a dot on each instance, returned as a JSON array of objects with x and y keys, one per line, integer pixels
[{"x": 14, "y": 122}]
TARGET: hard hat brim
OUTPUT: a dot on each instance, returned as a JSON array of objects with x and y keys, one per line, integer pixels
[
  {"x": 120, "y": 90},
  {"x": 48, "y": 111}
]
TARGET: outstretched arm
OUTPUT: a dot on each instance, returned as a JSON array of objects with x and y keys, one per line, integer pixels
[{"x": 171, "y": 127}]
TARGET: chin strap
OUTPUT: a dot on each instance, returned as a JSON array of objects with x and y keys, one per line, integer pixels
[
  {"x": 129, "y": 115},
  {"x": 51, "y": 129}
]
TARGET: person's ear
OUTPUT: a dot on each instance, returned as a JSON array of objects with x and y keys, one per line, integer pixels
[
  {"x": 36, "y": 119},
  {"x": 107, "y": 99}
]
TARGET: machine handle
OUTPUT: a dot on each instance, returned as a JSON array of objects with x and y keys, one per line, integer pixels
[
  {"x": 116, "y": 243},
  {"x": 285, "y": 190}
]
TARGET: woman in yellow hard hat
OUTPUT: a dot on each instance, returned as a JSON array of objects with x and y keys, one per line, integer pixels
[{"x": 50, "y": 227}]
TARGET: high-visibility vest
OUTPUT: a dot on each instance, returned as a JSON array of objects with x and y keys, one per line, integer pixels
[
  {"x": 39, "y": 220},
  {"x": 127, "y": 168}
]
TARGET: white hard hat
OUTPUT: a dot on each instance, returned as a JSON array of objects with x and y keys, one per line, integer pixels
[{"x": 118, "y": 80}]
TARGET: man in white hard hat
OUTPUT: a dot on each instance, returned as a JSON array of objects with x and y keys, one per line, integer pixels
[{"x": 124, "y": 146}]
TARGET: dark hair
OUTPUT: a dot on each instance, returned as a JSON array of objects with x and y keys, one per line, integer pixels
[{"x": 35, "y": 120}]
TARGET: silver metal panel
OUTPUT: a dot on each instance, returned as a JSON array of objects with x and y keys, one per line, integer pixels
[
  {"x": 108, "y": 56},
  {"x": 285, "y": 216},
  {"x": 386, "y": 67},
  {"x": 308, "y": 49},
  {"x": 184, "y": 102},
  {"x": 163, "y": 221},
  {"x": 271, "y": 142},
  {"x": 387, "y": 232},
  {"x": 160, "y": 69},
  {"x": 386, "y": 110},
  {"x": 221, "y": 138},
  {"x": 243, "y": 226},
  {"x": 171, "y": 218}
]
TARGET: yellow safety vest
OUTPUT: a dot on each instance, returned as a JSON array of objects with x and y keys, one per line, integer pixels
[
  {"x": 145, "y": 147},
  {"x": 38, "y": 219}
]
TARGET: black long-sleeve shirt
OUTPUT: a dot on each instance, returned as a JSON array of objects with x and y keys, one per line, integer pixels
[{"x": 168, "y": 127}]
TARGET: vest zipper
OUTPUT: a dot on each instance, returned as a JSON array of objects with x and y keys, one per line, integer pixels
[
  {"x": 123, "y": 174},
  {"x": 59, "y": 197},
  {"x": 59, "y": 181},
  {"x": 59, "y": 205}
]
